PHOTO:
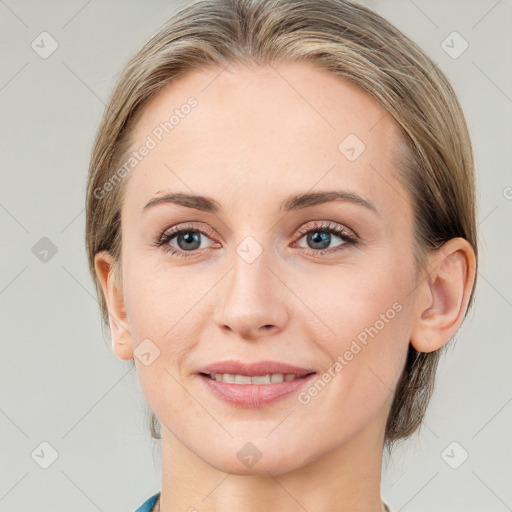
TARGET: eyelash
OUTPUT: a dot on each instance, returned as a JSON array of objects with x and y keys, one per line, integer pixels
[{"x": 326, "y": 227}]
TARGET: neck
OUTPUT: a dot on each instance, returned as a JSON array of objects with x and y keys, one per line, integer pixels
[{"x": 345, "y": 479}]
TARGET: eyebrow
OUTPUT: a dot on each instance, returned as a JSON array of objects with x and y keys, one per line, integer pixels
[
  {"x": 294, "y": 202},
  {"x": 297, "y": 202}
]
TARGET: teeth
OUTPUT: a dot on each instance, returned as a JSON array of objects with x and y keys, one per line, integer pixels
[
  {"x": 230, "y": 378},
  {"x": 242, "y": 379}
]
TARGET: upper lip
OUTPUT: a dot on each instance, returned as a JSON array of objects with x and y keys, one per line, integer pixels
[{"x": 252, "y": 369}]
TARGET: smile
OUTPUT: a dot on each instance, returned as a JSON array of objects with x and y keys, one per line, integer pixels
[{"x": 230, "y": 378}]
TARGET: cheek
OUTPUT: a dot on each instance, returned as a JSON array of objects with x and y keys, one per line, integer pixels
[
  {"x": 366, "y": 317},
  {"x": 160, "y": 297},
  {"x": 165, "y": 305},
  {"x": 371, "y": 323},
  {"x": 351, "y": 298}
]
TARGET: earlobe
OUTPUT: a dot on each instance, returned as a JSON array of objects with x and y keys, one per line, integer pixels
[
  {"x": 443, "y": 295},
  {"x": 105, "y": 267}
]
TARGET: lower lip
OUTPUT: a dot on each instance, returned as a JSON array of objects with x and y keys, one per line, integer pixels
[{"x": 254, "y": 395}]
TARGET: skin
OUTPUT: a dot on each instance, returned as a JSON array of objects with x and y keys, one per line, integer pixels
[{"x": 254, "y": 139}]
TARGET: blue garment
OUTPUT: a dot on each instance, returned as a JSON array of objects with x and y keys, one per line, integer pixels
[{"x": 148, "y": 504}]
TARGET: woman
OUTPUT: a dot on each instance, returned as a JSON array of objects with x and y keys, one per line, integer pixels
[{"x": 281, "y": 230}]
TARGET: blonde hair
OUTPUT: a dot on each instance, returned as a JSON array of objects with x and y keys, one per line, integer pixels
[{"x": 436, "y": 164}]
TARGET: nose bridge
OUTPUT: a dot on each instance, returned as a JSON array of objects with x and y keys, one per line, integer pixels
[{"x": 250, "y": 301}]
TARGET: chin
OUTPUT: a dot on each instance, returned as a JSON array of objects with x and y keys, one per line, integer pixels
[
  {"x": 261, "y": 468},
  {"x": 258, "y": 458}
]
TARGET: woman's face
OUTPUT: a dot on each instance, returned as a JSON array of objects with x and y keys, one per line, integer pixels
[{"x": 278, "y": 272}]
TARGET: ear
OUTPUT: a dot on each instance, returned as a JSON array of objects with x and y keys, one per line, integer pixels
[
  {"x": 443, "y": 295},
  {"x": 107, "y": 272}
]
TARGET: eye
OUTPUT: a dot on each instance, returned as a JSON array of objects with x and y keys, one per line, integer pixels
[
  {"x": 320, "y": 235},
  {"x": 181, "y": 240}
]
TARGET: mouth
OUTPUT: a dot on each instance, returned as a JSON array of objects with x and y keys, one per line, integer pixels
[
  {"x": 240, "y": 379},
  {"x": 255, "y": 369},
  {"x": 253, "y": 385}
]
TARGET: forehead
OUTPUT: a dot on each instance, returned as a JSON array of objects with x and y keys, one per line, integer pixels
[{"x": 262, "y": 132}]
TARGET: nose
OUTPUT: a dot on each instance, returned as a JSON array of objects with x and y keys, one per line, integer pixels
[{"x": 252, "y": 300}]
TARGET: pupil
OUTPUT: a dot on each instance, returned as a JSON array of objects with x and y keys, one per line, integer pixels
[
  {"x": 323, "y": 238},
  {"x": 189, "y": 237}
]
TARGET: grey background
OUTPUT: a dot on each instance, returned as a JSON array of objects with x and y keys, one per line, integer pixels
[{"x": 60, "y": 382}]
